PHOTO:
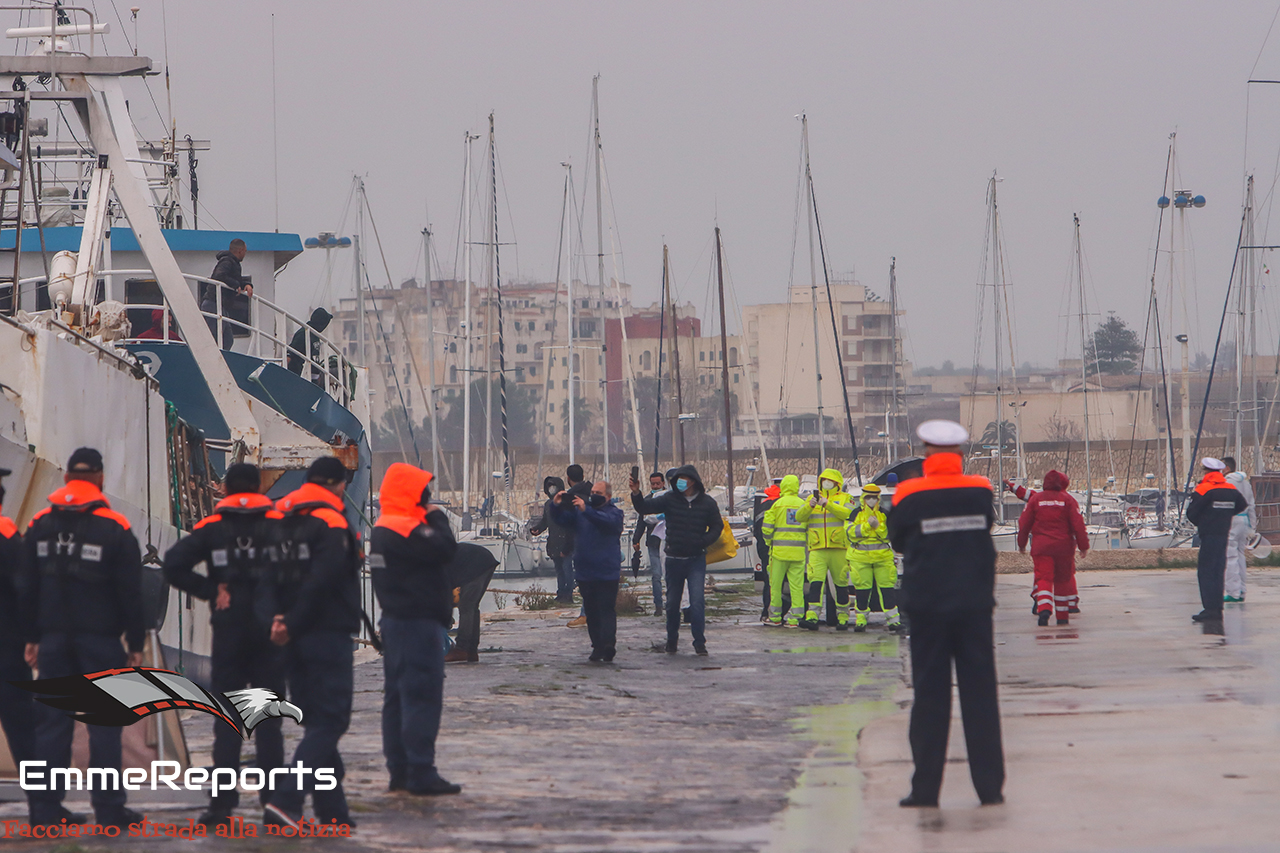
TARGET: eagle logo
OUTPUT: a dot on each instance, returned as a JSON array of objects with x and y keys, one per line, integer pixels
[{"x": 121, "y": 697}]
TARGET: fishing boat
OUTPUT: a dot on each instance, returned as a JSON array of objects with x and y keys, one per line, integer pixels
[{"x": 113, "y": 336}]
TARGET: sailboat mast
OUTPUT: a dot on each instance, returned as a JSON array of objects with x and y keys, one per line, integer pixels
[
  {"x": 502, "y": 349},
  {"x": 570, "y": 399},
  {"x": 466, "y": 325},
  {"x": 1084, "y": 377},
  {"x": 604, "y": 383},
  {"x": 675, "y": 347},
  {"x": 995, "y": 298},
  {"x": 1253, "y": 336},
  {"x": 893, "y": 367},
  {"x": 488, "y": 343},
  {"x": 724, "y": 373},
  {"x": 662, "y": 348},
  {"x": 813, "y": 291},
  {"x": 431, "y": 358}
]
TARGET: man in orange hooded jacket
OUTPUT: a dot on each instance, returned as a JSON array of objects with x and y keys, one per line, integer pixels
[
  {"x": 410, "y": 550},
  {"x": 1052, "y": 521}
]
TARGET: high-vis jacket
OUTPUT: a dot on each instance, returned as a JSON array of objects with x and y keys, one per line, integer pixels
[
  {"x": 783, "y": 530},
  {"x": 941, "y": 524},
  {"x": 84, "y": 567},
  {"x": 825, "y": 522},
  {"x": 1213, "y": 505},
  {"x": 862, "y": 535}
]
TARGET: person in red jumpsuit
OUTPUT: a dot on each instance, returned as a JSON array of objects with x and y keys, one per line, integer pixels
[{"x": 1052, "y": 521}]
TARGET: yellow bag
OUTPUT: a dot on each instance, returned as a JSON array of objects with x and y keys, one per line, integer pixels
[{"x": 726, "y": 547}]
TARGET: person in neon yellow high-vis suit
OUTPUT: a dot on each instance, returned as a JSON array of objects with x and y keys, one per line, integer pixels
[
  {"x": 824, "y": 516},
  {"x": 785, "y": 535},
  {"x": 871, "y": 561}
]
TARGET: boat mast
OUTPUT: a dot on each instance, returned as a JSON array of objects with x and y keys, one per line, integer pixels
[
  {"x": 488, "y": 345},
  {"x": 724, "y": 373},
  {"x": 468, "y": 138},
  {"x": 431, "y": 358},
  {"x": 995, "y": 298},
  {"x": 675, "y": 347},
  {"x": 893, "y": 369},
  {"x": 662, "y": 348},
  {"x": 570, "y": 399},
  {"x": 813, "y": 292},
  {"x": 1253, "y": 336},
  {"x": 604, "y": 384},
  {"x": 1084, "y": 378},
  {"x": 502, "y": 349}
]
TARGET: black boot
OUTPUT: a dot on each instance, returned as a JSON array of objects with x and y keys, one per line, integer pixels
[{"x": 1044, "y": 618}]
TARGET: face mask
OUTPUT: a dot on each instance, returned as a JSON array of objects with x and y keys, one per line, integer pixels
[
  {"x": 552, "y": 491},
  {"x": 828, "y": 484},
  {"x": 682, "y": 485},
  {"x": 597, "y": 501}
]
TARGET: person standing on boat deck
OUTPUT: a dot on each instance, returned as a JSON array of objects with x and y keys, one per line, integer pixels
[
  {"x": 1052, "y": 521},
  {"x": 237, "y": 544},
  {"x": 559, "y": 542},
  {"x": 17, "y": 707},
  {"x": 824, "y": 517},
  {"x": 645, "y": 526},
  {"x": 298, "y": 352},
  {"x": 693, "y": 525},
  {"x": 597, "y": 561},
  {"x": 1211, "y": 509},
  {"x": 410, "y": 550},
  {"x": 941, "y": 524},
  {"x": 227, "y": 271},
  {"x": 578, "y": 488},
  {"x": 1242, "y": 526},
  {"x": 312, "y": 599},
  {"x": 469, "y": 572},
  {"x": 784, "y": 534},
  {"x": 84, "y": 576}
]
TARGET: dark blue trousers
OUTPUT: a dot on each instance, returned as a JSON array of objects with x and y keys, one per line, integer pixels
[
  {"x": 76, "y": 654},
  {"x": 691, "y": 571},
  {"x": 318, "y": 666},
  {"x": 1211, "y": 572},
  {"x": 564, "y": 577},
  {"x": 413, "y": 696},
  {"x": 244, "y": 656},
  {"x": 17, "y": 707}
]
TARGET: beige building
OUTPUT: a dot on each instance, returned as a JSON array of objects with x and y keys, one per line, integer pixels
[
  {"x": 780, "y": 345},
  {"x": 1058, "y": 415}
]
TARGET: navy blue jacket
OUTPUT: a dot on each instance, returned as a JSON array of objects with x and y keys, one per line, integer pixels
[{"x": 597, "y": 547}]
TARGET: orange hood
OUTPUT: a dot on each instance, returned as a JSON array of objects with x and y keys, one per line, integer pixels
[
  {"x": 400, "y": 498},
  {"x": 244, "y": 501},
  {"x": 78, "y": 494},
  {"x": 1213, "y": 480}
]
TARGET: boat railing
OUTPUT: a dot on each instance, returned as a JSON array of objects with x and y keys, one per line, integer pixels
[{"x": 269, "y": 329}]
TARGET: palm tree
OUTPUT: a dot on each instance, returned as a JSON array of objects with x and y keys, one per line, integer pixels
[{"x": 1005, "y": 436}]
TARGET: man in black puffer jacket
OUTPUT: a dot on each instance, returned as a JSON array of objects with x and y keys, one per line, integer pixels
[
  {"x": 559, "y": 541},
  {"x": 693, "y": 525}
]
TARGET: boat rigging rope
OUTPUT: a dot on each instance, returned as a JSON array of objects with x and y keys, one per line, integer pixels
[{"x": 502, "y": 352}]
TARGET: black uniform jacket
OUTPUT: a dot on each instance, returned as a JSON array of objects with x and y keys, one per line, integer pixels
[
  {"x": 17, "y": 627},
  {"x": 237, "y": 543},
  {"x": 315, "y": 584},
  {"x": 941, "y": 524},
  {"x": 693, "y": 526},
  {"x": 84, "y": 567},
  {"x": 410, "y": 549},
  {"x": 1214, "y": 504}
]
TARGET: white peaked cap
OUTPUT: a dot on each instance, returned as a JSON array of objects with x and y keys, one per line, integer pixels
[
  {"x": 1213, "y": 464},
  {"x": 942, "y": 433}
]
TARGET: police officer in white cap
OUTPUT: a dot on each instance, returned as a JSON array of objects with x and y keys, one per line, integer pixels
[
  {"x": 941, "y": 524},
  {"x": 1211, "y": 509}
]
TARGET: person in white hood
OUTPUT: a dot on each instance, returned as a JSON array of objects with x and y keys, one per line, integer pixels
[{"x": 1242, "y": 527}]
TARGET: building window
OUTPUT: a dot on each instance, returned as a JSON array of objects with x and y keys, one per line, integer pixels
[
  {"x": 551, "y": 430},
  {"x": 733, "y": 355},
  {"x": 551, "y": 407},
  {"x": 548, "y": 328},
  {"x": 564, "y": 383},
  {"x": 564, "y": 361},
  {"x": 533, "y": 370},
  {"x": 646, "y": 361},
  {"x": 453, "y": 374},
  {"x": 702, "y": 356},
  {"x": 453, "y": 346},
  {"x": 735, "y": 379}
]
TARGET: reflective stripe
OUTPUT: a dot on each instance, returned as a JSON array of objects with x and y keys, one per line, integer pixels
[
  {"x": 876, "y": 546},
  {"x": 953, "y": 524}
]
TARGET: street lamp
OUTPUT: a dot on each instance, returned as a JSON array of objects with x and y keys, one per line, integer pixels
[{"x": 1183, "y": 199}]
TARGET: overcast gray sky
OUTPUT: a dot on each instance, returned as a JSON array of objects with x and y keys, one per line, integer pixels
[{"x": 911, "y": 107}]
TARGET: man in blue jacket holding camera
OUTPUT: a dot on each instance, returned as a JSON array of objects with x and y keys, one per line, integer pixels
[{"x": 597, "y": 561}]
